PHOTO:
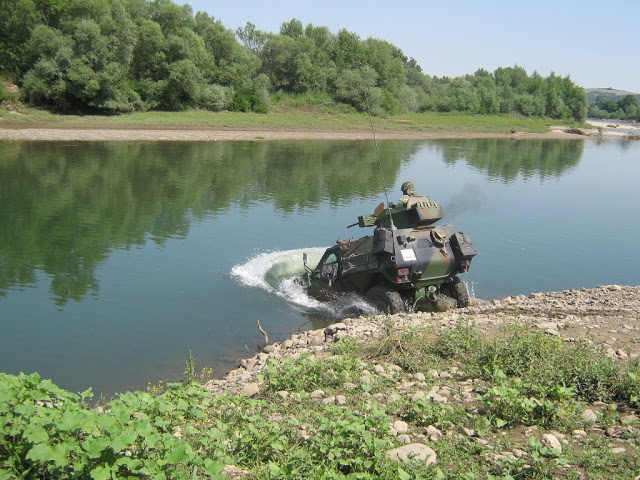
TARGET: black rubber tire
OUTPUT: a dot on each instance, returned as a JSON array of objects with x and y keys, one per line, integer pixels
[
  {"x": 385, "y": 299},
  {"x": 458, "y": 290}
]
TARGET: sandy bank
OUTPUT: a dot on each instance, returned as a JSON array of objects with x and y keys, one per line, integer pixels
[{"x": 215, "y": 134}]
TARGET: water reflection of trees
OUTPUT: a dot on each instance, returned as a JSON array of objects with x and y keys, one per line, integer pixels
[
  {"x": 506, "y": 159},
  {"x": 65, "y": 207}
]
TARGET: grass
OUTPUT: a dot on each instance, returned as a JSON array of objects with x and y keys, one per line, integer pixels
[{"x": 286, "y": 116}]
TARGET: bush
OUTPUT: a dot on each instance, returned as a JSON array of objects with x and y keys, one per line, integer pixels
[
  {"x": 215, "y": 97},
  {"x": 247, "y": 99}
]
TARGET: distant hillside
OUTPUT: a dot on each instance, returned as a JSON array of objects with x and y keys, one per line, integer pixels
[{"x": 608, "y": 93}]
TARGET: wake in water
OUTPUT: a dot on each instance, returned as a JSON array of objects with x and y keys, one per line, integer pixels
[{"x": 282, "y": 273}]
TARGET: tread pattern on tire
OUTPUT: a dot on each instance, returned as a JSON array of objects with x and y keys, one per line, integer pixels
[{"x": 385, "y": 299}]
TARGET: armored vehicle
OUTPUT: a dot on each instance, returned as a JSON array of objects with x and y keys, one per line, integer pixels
[{"x": 408, "y": 263}]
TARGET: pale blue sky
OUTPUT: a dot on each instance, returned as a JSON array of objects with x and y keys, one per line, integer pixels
[{"x": 596, "y": 43}]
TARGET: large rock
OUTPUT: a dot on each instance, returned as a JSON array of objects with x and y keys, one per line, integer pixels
[
  {"x": 414, "y": 452},
  {"x": 251, "y": 389}
]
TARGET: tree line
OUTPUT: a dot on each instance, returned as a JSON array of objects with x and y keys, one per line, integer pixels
[
  {"x": 625, "y": 108},
  {"x": 111, "y": 56}
]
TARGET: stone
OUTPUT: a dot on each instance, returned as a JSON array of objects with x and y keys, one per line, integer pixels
[
  {"x": 283, "y": 394},
  {"x": 400, "y": 426},
  {"x": 418, "y": 376},
  {"x": 404, "y": 438},
  {"x": 550, "y": 441},
  {"x": 413, "y": 452},
  {"x": 469, "y": 432},
  {"x": 622, "y": 354},
  {"x": 251, "y": 389},
  {"x": 316, "y": 338},
  {"x": 618, "y": 450},
  {"x": 434, "y": 433},
  {"x": 628, "y": 419},
  {"x": 317, "y": 394},
  {"x": 392, "y": 398},
  {"x": 439, "y": 398},
  {"x": 519, "y": 453},
  {"x": 589, "y": 415},
  {"x": 341, "y": 400},
  {"x": 333, "y": 329},
  {"x": 417, "y": 396}
]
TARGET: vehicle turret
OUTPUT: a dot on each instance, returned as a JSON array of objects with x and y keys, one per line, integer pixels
[{"x": 419, "y": 211}]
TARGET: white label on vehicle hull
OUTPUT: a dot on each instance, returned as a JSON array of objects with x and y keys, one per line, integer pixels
[{"x": 408, "y": 255}]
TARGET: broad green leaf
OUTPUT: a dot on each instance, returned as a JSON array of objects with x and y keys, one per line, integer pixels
[
  {"x": 213, "y": 467},
  {"x": 179, "y": 453},
  {"x": 94, "y": 446},
  {"x": 124, "y": 440},
  {"x": 35, "y": 434},
  {"x": 402, "y": 475},
  {"x": 71, "y": 420},
  {"x": 101, "y": 473},
  {"x": 45, "y": 453},
  {"x": 7, "y": 475}
]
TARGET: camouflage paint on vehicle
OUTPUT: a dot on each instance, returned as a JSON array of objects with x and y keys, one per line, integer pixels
[{"x": 406, "y": 254}]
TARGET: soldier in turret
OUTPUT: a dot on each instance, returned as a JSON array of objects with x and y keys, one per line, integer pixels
[{"x": 408, "y": 190}]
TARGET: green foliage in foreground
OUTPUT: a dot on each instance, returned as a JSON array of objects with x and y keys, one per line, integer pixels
[{"x": 46, "y": 432}]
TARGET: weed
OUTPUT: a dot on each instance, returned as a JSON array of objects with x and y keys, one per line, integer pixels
[
  {"x": 309, "y": 373},
  {"x": 410, "y": 348},
  {"x": 190, "y": 370}
]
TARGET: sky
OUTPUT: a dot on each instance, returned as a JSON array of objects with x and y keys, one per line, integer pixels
[{"x": 595, "y": 43}]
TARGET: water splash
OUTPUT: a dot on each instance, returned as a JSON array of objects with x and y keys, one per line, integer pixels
[{"x": 282, "y": 274}]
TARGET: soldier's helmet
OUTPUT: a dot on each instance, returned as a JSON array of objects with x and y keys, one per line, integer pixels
[{"x": 408, "y": 188}]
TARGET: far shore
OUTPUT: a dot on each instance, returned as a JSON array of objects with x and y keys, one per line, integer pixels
[{"x": 36, "y": 133}]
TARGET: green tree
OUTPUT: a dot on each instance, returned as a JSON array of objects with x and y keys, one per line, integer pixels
[
  {"x": 357, "y": 86},
  {"x": 234, "y": 63},
  {"x": 183, "y": 86},
  {"x": 253, "y": 38},
  {"x": 17, "y": 19}
]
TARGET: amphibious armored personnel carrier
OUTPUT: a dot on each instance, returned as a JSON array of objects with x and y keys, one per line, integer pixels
[{"x": 407, "y": 264}]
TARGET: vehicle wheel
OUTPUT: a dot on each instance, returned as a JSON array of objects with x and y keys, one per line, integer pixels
[
  {"x": 458, "y": 290},
  {"x": 385, "y": 299}
]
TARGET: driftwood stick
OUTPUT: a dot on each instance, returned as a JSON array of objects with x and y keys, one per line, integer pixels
[{"x": 266, "y": 337}]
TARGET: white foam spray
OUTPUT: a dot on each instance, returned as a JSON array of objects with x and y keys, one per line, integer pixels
[{"x": 282, "y": 274}]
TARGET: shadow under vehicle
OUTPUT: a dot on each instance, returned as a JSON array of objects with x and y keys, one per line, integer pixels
[{"x": 407, "y": 264}]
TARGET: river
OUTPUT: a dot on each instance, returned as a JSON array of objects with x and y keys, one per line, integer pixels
[{"x": 118, "y": 258}]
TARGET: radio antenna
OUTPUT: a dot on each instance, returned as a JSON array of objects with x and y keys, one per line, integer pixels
[{"x": 375, "y": 141}]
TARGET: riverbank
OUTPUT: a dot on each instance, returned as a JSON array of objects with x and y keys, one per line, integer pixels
[
  {"x": 443, "y": 413},
  {"x": 544, "y": 386},
  {"x": 231, "y": 134},
  {"x": 33, "y": 124}
]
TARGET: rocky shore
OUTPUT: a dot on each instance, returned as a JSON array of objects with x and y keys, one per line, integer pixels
[{"x": 607, "y": 316}]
